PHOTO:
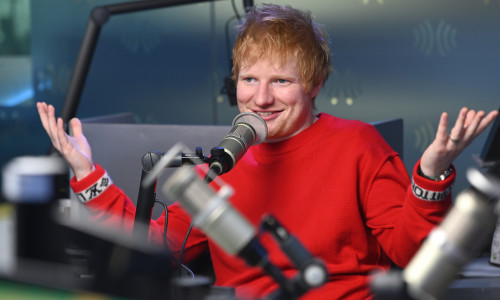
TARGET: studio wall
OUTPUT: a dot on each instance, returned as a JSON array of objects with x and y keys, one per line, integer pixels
[{"x": 392, "y": 59}]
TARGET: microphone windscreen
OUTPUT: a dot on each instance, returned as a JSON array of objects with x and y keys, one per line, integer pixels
[{"x": 254, "y": 121}]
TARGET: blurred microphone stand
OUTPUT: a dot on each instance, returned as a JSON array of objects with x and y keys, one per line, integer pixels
[{"x": 312, "y": 271}]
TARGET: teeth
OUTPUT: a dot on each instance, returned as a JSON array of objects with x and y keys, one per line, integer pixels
[{"x": 264, "y": 114}]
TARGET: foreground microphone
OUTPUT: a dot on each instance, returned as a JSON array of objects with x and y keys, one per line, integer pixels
[
  {"x": 460, "y": 236},
  {"x": 211, "y": 212},
  {"x": 248, "y": 129}
]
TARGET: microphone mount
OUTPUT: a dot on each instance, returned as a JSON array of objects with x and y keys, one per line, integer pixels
[{"x": 147, "y": 193}]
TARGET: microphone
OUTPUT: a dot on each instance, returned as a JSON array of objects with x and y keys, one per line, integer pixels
[
  {"x": 461, "y": 234},
  {"x": 248, "y": 129},
  {"x": 212, "y": 213}
]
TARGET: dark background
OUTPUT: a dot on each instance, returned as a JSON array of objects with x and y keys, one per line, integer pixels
[{"x": 392, "y": 59}]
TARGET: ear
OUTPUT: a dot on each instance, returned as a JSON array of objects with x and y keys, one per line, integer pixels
[{"x": 316, "y": 88}]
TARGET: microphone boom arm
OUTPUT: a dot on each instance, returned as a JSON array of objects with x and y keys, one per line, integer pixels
[{"x": 98, "y": 17}]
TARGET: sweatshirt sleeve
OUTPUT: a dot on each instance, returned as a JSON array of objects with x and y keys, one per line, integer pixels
[
  {"x": 401, "y": 213},
  {"x": 110, "y": 206}
]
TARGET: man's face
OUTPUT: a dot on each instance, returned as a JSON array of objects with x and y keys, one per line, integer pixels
[{"x": 277, "y": 94}]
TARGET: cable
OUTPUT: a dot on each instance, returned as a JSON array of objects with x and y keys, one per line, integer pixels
[
  {"x": 166, "y": 222},
  {"x": 235, "y": 10},
  {"x": 228, "y": 46},
  {"x": 179, "y": 261},
  {"x": 229, "y": 86},
  {"x": 183, "y": 266},
  {"x": 181, "y": 253},
  {"x": 236, "y": 16}
]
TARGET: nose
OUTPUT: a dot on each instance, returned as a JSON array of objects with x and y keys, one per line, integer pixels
[{"x": 264, "y": 96}]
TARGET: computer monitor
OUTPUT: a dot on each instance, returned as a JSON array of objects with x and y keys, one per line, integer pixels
[{"x": 490, "y": 153}]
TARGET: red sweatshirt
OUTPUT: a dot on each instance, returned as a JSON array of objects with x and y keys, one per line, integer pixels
[{"x": 337, "y": 186}]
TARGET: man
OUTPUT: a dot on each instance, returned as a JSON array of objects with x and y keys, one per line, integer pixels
[{"x": 333, "y": 183}]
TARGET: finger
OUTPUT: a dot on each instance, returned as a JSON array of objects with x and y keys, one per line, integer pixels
[
  {"x": 479, "y": 124},
  {"x": 442, "y": 131},
  {"x": 76, "y": 127},
  {"x": 474, "y": 123},
  {"x": 469, "y": 118},
  {"x": 470, "y": 131},
  {"x": 457, "y": 130},
  {"x": 61, "y": 134},
  {"x": 53, "y": 127},
  {"x": 42, "y": 112},
  {"x": 486, "y": 121}
]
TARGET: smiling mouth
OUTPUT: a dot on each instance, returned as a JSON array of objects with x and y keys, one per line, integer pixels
[{"x": 264, "y": 114}]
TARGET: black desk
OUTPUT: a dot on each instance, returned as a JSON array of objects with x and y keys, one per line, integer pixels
[{"x": 479, "y": 281}]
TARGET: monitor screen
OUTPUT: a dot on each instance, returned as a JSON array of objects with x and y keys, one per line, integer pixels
[{"x": 491, "y": 149}]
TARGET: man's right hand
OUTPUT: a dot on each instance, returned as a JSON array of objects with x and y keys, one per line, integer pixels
[{"x": 75, "y": 149}]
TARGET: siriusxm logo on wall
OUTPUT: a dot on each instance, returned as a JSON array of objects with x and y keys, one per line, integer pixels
[
  {"x": 343, "y": 88},
  {"x": 440, "y": 38}
]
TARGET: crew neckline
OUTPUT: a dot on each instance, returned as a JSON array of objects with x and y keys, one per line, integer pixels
[{"x": 292, "y": 143}]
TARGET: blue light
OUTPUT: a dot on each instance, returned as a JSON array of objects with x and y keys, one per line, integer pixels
[{"x": 21, "y": 97}]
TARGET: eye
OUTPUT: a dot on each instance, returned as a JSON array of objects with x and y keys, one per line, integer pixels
[
  {"x": 249, "y": 79},
  {"x": 282, "y": 81}
]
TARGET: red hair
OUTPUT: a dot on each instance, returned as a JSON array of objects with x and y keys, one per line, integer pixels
[{"x": 281, "y": 33}]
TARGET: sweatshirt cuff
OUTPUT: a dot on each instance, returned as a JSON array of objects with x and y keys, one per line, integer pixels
[
  {"x": 431, "y": 190},
  {"x": 92, "y": 186}
]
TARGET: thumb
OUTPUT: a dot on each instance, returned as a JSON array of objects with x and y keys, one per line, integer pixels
[{"x": 76, "y": 127}]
